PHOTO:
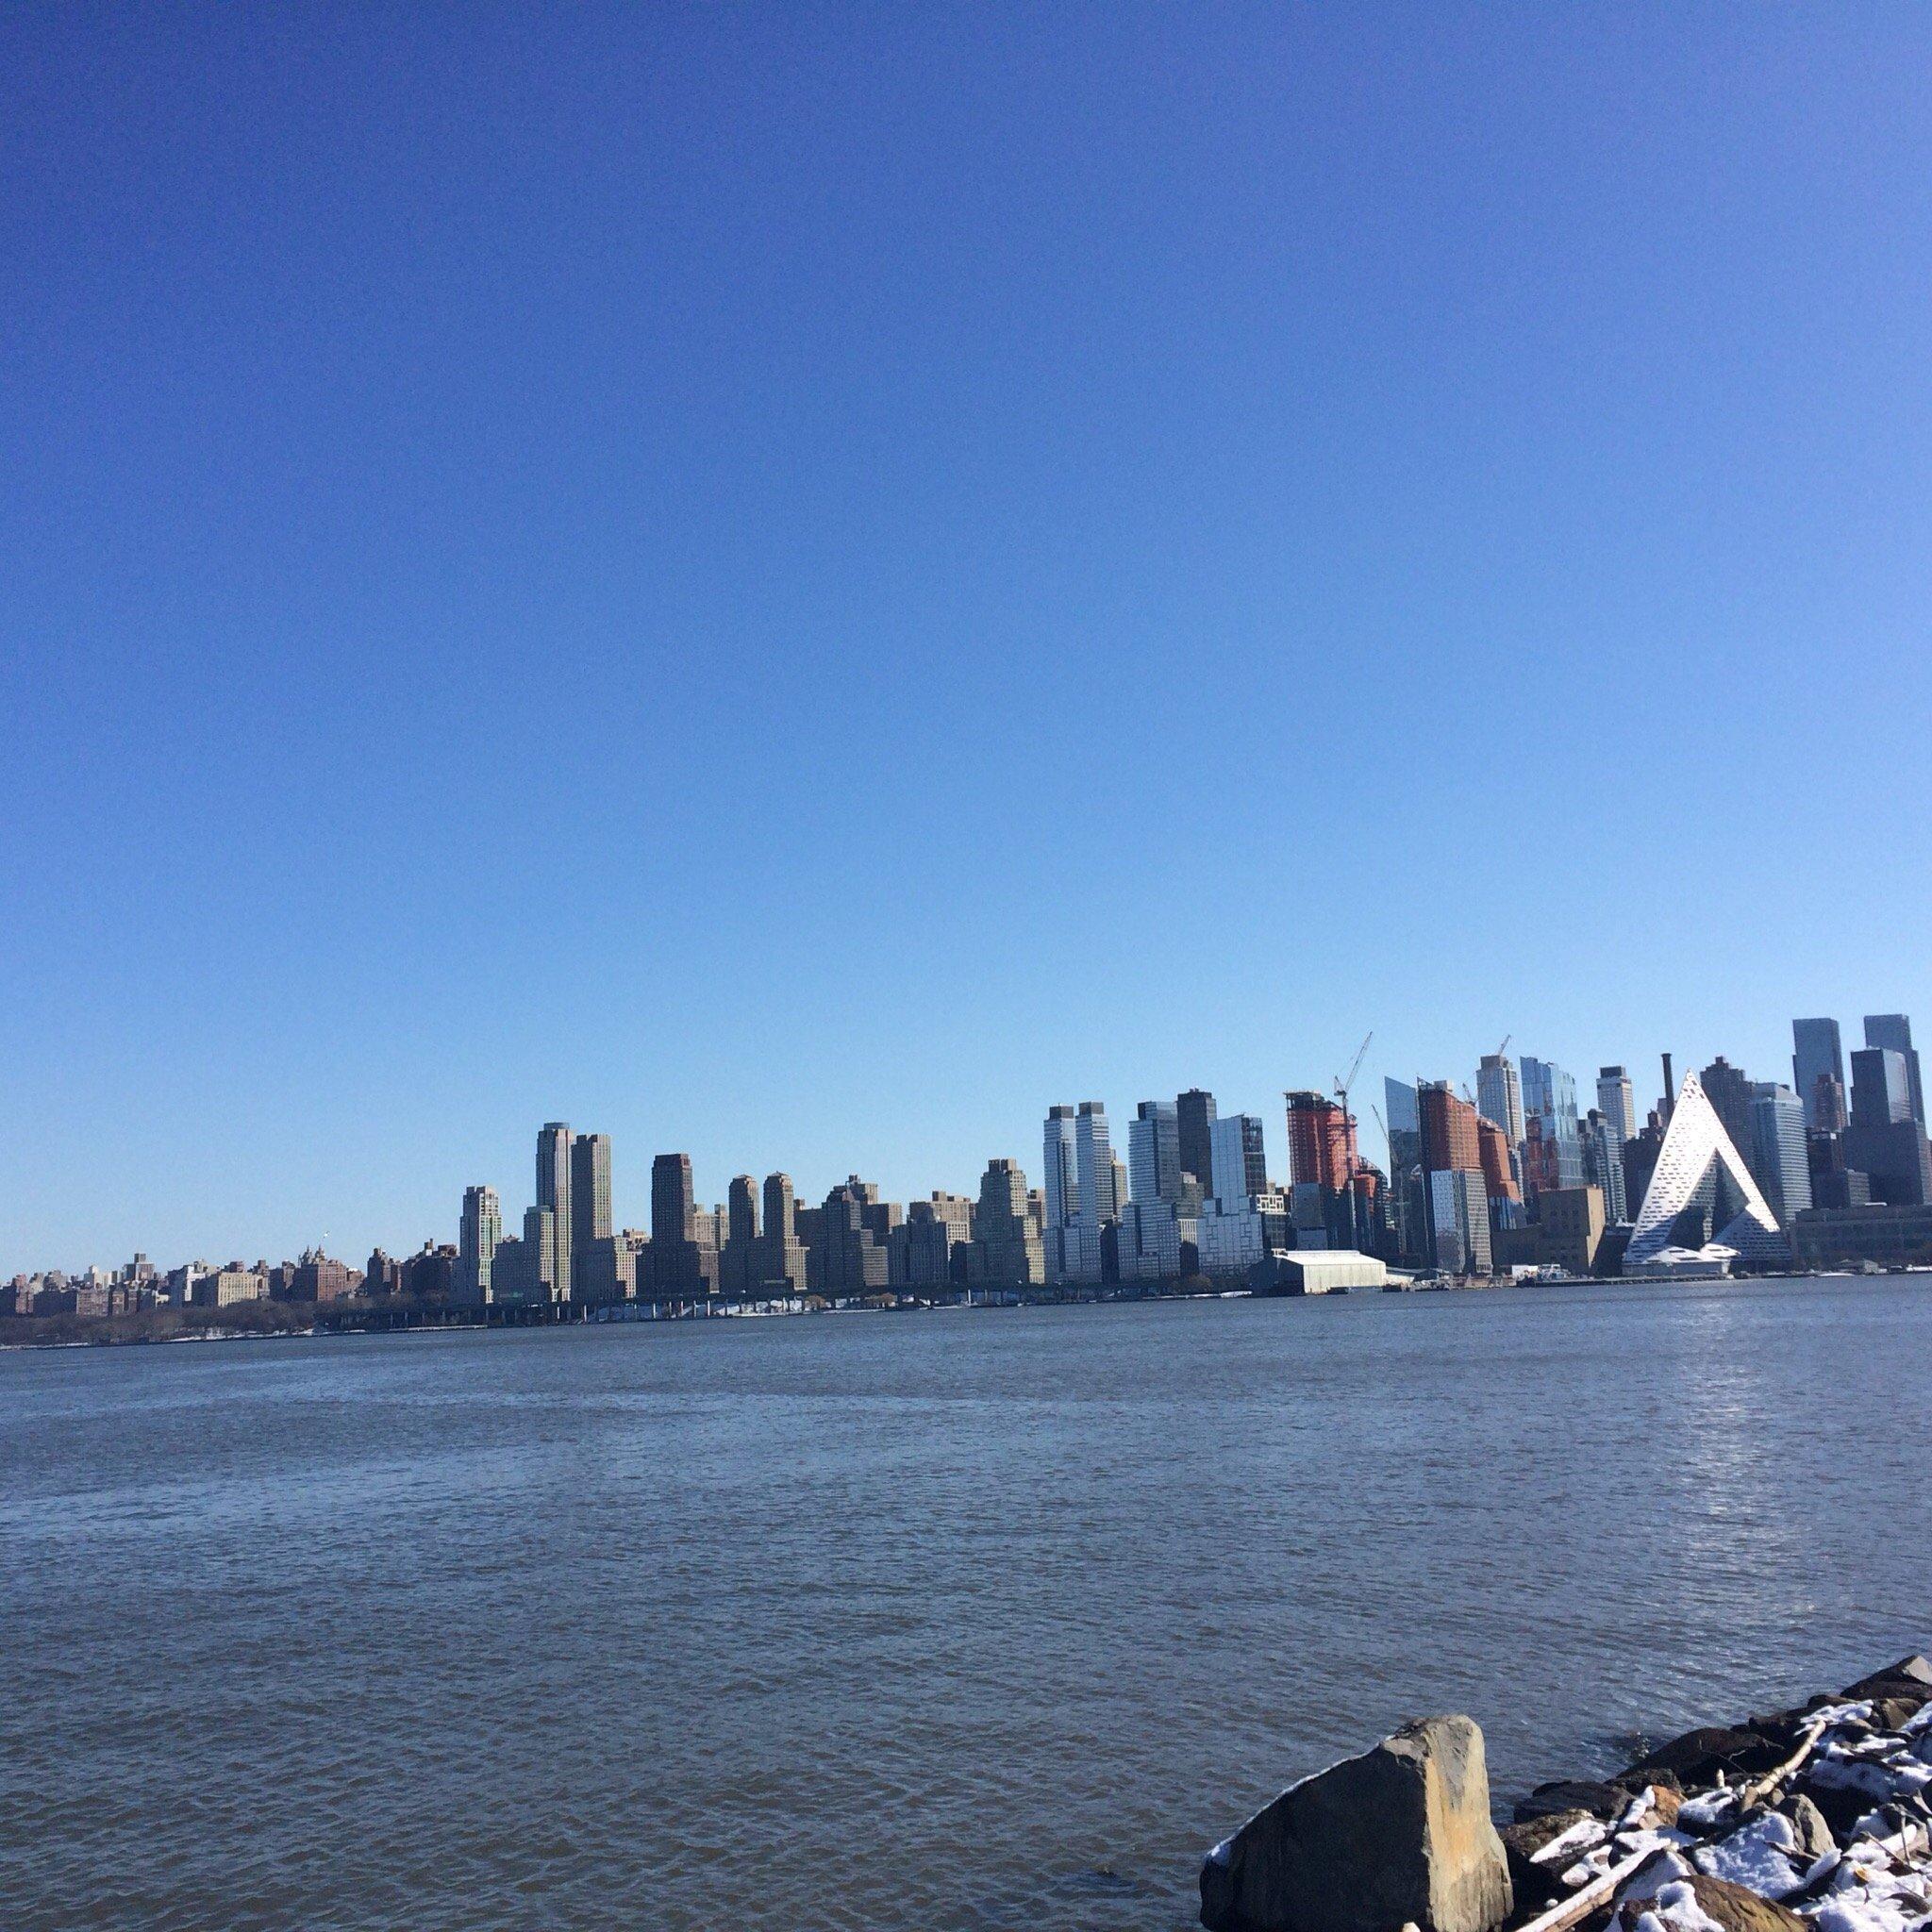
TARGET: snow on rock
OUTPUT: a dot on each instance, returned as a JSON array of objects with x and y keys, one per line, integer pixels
[
  {"x": 1761, "y": 1855},
  {"x": 1674, "y": 1908}
]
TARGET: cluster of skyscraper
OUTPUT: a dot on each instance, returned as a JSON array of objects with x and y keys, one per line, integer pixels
[
  {"x": 759, "y": 1245},
  {"x": 1195, "y": 1197},
  {"x": 1834, "y": 1169},
  {"x": 1514, "y": 1174}
]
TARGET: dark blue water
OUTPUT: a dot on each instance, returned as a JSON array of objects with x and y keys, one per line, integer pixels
[{"x": 989, "y": 1620}]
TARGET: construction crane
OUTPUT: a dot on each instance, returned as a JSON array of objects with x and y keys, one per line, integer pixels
[
  {"x": 1505, "y": 1047},
  {"x": 1343, "y": 1083}
]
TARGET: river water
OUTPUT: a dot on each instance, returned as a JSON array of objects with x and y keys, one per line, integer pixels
[{"x": 963, "y": 1622}]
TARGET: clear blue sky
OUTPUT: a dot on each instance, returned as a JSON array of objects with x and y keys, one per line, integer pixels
[{"x": 796, "y": 583}]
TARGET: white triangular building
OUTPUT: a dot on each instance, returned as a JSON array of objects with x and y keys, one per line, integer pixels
[{"x": 1694, "y": 1145}]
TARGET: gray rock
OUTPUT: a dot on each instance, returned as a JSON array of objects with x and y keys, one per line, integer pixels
[
  {"x": 1698, "y": 1756},
  {"x": 1401, "y": 1835},
  {"x": 1912, "y": 1671},
  {"x": 1535, "y": 1886},
  {"x": 1807, "y": 1820},
  {"x": 1567, "y": 1794}
]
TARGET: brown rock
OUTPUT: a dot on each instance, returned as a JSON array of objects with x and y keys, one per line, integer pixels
[
  {"x": 1893, "y": 1712},
  {"x": 1739, "y": 1911},
  {"x": 1665, "y": 1802},
  {"x": 1400, "y": 1834}
]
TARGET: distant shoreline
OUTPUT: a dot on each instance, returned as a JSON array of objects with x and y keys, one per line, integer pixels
[{"x": 287, "y": 1321}]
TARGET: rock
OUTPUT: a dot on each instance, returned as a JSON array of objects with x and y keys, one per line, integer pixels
[
  {"x": 1529, "y": 1836},
  {"x": 1782, "y": 1727},
  {"x": 1401, "y": 1834},
  {"x": 1912, "y": 1670},
  {"x": 1533, "y": 1885},
  {"x": 1665, "y": 1803},
  {"x": 1807, "y": 1820},
  {"x": 1656, "y": 1777},
  {"x": 1894, "y": 1712},
  {"x": 1575, "y": 1795},
  {"x": 1696, "y": 1902},
  {"x": 1698, "y": 1756},
  {"x": 1841, "y": 1808},
  {"x": 1761, "y": 1855},
  {"x": 1737, "y": 1910}
]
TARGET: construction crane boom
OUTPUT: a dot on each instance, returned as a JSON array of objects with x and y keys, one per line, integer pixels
[{"x": 1342, "y": 1083}]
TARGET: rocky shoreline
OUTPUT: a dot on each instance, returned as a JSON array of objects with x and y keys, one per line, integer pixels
[{"x": 1816, "y": 1819}]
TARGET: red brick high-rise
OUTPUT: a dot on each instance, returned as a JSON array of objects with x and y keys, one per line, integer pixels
[
  {"x": 1321, "y": 1142},
  {"x": 1450, "y": 1140},
  {"x": 1494, "y": 1144}
]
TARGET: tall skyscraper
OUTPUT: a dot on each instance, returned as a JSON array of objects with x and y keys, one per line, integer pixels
[
  {"x": 545, "y": 1260},
  {"x": 1153, "y": 1152},
  {"x": 553, "y": 1194},
  {"x": 1549, "y": 1095},
  {"x": 1893, "y": 1031},
  {"x": 1449, "y": 1142},
  {"x": 1778, "y": 1126},
  {"x": 678, "y": 1263},
  {"x": 590, "y": 1190},
  {"x": 1195, "y": 1117},
  {"x": 742, "y": 1222},
  {"x": 1095, "y": 1202},
  {"x": 1408, "y": 1208},
  {"x": 1238, "y": 1160},
  {"x": 738, "y": 1259},
  {"x": 1005, "y": 1251},
  {"x": 1817, "y": 1056},
  {"x": 1603, "y": 1158},
  {"x": 1404, "y": 1123},
  {"x": 1499, "y": 1095},
  {"x": 1881, "y": 1087},
  {"x": 1058, "y": 1163},
  {"x": 476, "y": 1240},
  {"x": 1321, "y": 1142},
  {"x": 1617, "y": 1103},
  {"x": 1460, "y": 1222},
  {"x": 1883, "y": 1139},
  {"x": 673, "y": 1206}
]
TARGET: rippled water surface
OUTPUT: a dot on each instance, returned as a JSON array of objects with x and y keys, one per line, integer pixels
[{"x": 955, "y": 1622}]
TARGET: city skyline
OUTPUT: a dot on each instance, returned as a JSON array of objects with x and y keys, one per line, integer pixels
[{"x": 1089, "y": 1180}]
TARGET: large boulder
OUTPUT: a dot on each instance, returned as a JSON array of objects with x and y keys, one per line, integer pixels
[
  {"x": 1909, "y": 1671},
  {"x": 1697, "y": 1903},
  {"x": 1399, "y": 1835},
  {"x": 1697, "y": 1757},
  {"x": 1737, "y": 1909}
]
